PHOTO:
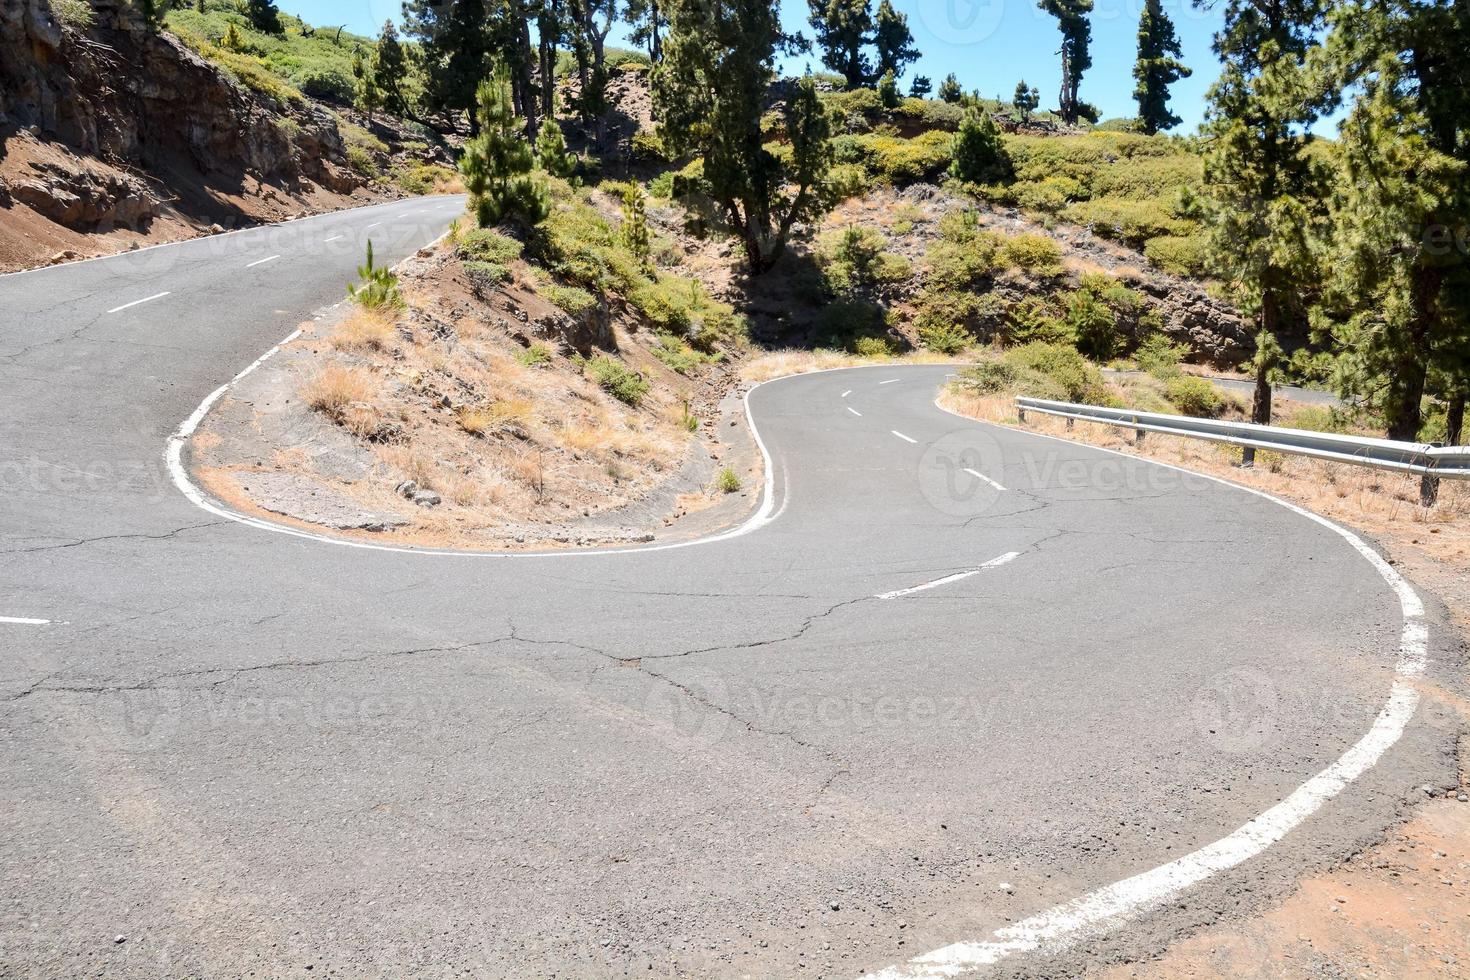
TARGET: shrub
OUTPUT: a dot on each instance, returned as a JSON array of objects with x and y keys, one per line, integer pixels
[
  {"x": 1134, "y": 222},
  {"x": 534, "y": 356},
  {"x": 487, "y": 245},
  {"x": 1079, "y": 380},
  {"x": 647, "y": 146},
  {"x": 485, "y": 276},
  {"x": 962, "y": 264},
  {"x": 880, "y": 346},
  {"x": 1183, "y": 255},
  {"x": 379, "y": 286},
  {"x": 902, "y": 162},
  {"x": 979, "y": 155},
  {"x": 666, "y": 303},
  {"x": 571, "y": 299},
  {"x": 1000, "y": 377},
  {"x": 945, "y": 338},
  {"x": 1159, "y": 357},
  {"x": 843, "y": 321},
  {"x": 677, "y": 355},
  {"x": 1093, "y": 324},
  {"x": 728, "y": 481},
  {"x": 854, "y": 260},
  {"x": 368, "y": 330},
  {"x": 1034, "y": 253},
  {"x": 845, "y": 180},
  {"x": 623, "y": 383},
  {"x": 938, "y": 310},
  {"x": 1194, "y": 396},
  {"x": 327, "y": 84}
]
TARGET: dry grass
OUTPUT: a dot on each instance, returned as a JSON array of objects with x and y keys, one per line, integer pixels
[
  {"x": 365, "y": 330},
  {"x": 503, "y": 415},
  {"x": 346, "y": 395},
  {"x": 779, "y": 364}
]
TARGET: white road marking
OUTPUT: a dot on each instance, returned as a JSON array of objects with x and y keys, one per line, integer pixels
[
  {"x": 846, "y": 393},
  {"x": 957, "y": 576},
  {"x": 890, "y": 381},
  {"x": 374, "y": 224},
  {"x": 20, "y": 621},
  {"x": 263, "y": 261},
  {"x": 854, "y": 411},
  {"x": 145, "y": 299},
  {"x": 335, "y": 237},
  {"x": 984, "y": 477},
  {"x": 1109, "y": 906},
  {"x": 902, "y": 436}
]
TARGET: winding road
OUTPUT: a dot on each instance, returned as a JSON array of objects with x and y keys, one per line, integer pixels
[{"x": 956, "y": 699}]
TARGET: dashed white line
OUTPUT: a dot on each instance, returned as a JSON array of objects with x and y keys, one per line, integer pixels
[
  {"x": 854, "y": 411},
  {"x": 984, "y": 477},
  {"x": 145, "y": 299},
  {"x": 19, "y": 621},
  {"x": 335, "y": 237},
  {"x": 373, "y": 225},
  {"x": 846, "y": 393},
  {"x": 902, "y": 436},
  {"x": 957, "y": 576},
  {"x": 269, "y": 258},
  {"x": 890, "y": 381}
]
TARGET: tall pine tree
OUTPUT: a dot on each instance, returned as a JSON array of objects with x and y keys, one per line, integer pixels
[
  {"x": 1404, "y": 208},
  {"x": 1157, "y": 68},
  {"x": 1076, "y": 28},
  {"x": 719, "y": 57},
  {"x": 390, "y": 67},
  {"x": 455, "y": 42},
  {"x": 895, "y": 44},
  {"x": 843, "y": 28},
  {"x": 497, "y": 164},
  {"x": 1263, "y": 197}
]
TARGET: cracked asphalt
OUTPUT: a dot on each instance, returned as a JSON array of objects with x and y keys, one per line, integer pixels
[{"x": 233, "y": 752}]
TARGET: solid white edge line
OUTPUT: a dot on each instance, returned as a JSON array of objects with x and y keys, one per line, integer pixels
[
  {"x": 854, "y": 411},
  {"x": 1106, "y": 907},
  {"x": 223, "y": 234},
  {"x": 982, "y": 476},
  {"x": 957, "y": 576},
  {"x": 902, "y": 436},
  {"x": 145, "y": 299},
  {"x": 262, "y": 261},
  {"x": 22, "y": 621}
]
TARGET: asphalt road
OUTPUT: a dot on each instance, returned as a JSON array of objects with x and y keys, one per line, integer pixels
[{"x": 917, "y": 706}]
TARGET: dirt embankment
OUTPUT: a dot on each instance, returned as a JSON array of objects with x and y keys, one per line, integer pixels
[
  {"x": 481, "y": 415},
  {"x": 113, "y": 135}
]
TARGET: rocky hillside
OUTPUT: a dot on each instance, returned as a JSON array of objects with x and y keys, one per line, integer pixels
[{"x": 116, "y": 134}]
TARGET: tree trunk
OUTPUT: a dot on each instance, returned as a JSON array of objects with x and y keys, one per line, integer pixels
[
  {"x": 1404, "y": 403},
  {"x": 1261, "y": 397},
  {"x": 1454, "y": 423}
]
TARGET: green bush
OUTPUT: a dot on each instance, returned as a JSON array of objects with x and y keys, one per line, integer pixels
[
  {"x": 534, "y": 356},
  {"x": 1079, "y": 380},
  {"x": 485, "y": 276},
  {"x": 728, "y": 481},
  {"x": 624, "y": 384},
  {"x": 648, "y": 146},
  {"x": 874, "y": 347},
  {"x": 854, "y": 259},
  {"x": 488, "y": 245},
  {"x": 962, "y": 265},
  {"x": 937, "y": 310},
  {"x": 1194, "y": 396},
  {"x": 1001, "y": 377},
  {"x": 1036, "y": 254},
  {"x": 571, "y": 299},
  {"x": 943, "y": 338},
  {"x": 1133, "y": 222},
  {"x": 1183, "y": 255},
  {"x": 1160, "y": 357},
  {"x": 379, "y": 286},
  {"x": 901, "y": 162},
  {"x": 1093, "y": 324}
]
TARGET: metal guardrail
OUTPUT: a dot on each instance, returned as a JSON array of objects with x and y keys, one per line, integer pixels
[{"x": 1430, "y": 461}]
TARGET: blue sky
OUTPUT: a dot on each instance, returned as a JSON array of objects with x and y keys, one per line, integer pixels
[{"x": 988, "y": 44}]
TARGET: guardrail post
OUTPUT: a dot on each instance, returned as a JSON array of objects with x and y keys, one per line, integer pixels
[
  {"x": 1069, "y": 424},
  {"x": 1429, "y": 485},
  {"x": 1137, "y": 435},
  {"x": 1247, "y": 457},
  {"x": 1021, "y": 414}
]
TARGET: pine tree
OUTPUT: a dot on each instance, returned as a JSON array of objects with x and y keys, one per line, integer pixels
[
  {"x": 979, "y": 155},
  {"x": 497, "y": 164},
  {"x": 368, "y": 95},
  {"x": 232, "y": 41},
  {"x": 888, "y": 91},
  {"x": 949, "y": 89},
  {"x": 390, "y": 67},
  {"x": 649, "y": 21},
  {"x": 551, "y": 149},
  {"x": 591, "y": 21},
  {"x": 1026, "y": 100},
  {"x": 894, "y": 42},
  {"x": 1263, "y": 197},
  {"x": 1076, "y": 31},
  {"x": 634, "y": 231},
  {"x": 1403, "y": 210},
  {"x": 843, "y": 28},
  {"x": 264, "y": 16},
  {"x": 921, "y": 87},
  {"x": 454, "y": 42},
  {"x": 719, "y": 56},
  {"x": 1157, "y": 68}
]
